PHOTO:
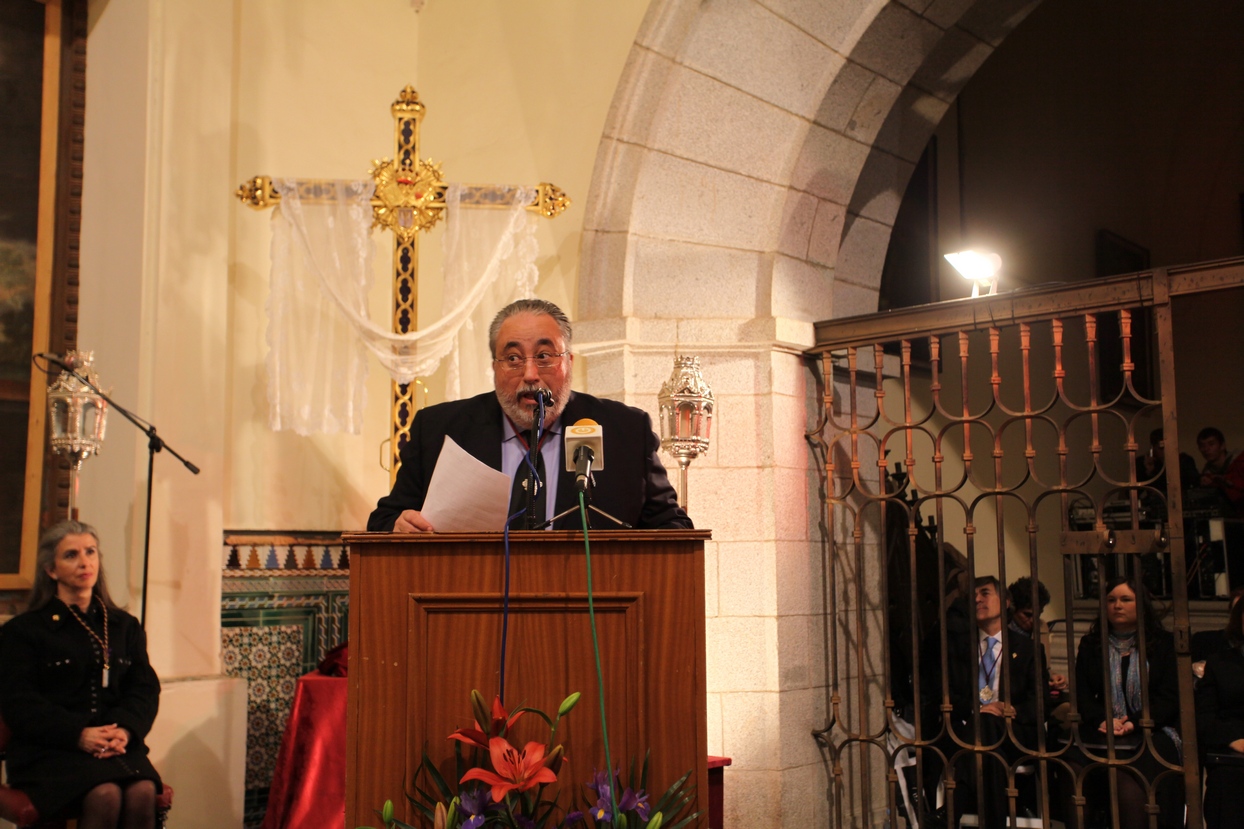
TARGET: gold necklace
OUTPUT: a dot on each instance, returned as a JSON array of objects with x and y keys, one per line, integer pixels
[{"x": 103, "y": 643}]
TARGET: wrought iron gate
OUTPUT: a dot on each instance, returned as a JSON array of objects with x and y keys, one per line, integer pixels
[{"x": 1006, "y": 435}]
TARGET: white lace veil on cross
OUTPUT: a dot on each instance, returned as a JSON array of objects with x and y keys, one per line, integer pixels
[{"x": 319, "y": 328}]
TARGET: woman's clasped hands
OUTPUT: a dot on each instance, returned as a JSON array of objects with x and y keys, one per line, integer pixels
[
  {"x": 1122, "y": 725},
  {"x": 104, "y": 741}
]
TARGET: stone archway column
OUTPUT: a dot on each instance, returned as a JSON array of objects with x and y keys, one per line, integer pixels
[
  {"x": 745, "y": 186},
  {"x": 683, "y": 253},
  {"x": 679, "y": 256},
  {"x": 763, "y": 606}
]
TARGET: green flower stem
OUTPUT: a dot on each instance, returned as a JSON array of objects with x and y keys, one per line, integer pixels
[
  {"x": 600, "y": 674},
  {"x": 509, "y": 811}
]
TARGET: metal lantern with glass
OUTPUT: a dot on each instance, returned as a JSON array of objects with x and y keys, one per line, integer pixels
[
  {"x": 76, "y": 417},
  {"x": 686, "y": 416}
]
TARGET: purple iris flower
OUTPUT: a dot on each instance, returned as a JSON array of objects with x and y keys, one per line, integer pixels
[
  {"x": 600, "y": 784},
  {"x": 600, "y": 812},
  {"x": 474, "y": 802},
  {"x": 573, "y": 818},
  {"x": 637, "y": 801}
]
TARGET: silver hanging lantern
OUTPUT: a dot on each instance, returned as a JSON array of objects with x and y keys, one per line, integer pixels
[
  {"x": 686, "y": 404},
  {"x": 76, "y": 417}
]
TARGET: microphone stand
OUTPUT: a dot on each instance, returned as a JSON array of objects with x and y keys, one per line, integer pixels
[
  {"x": 155, "y": 443},
  {"x": 594, "y": 509},
  {"x": 587, "y": 494}
]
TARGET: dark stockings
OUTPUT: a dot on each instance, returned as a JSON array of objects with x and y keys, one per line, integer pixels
[
  {"x": 101, "y": 807},
  {"x": 107, "y": 806}
]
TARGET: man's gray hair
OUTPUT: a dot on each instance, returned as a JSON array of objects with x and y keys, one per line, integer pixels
[{"x": 528, "y": 306}]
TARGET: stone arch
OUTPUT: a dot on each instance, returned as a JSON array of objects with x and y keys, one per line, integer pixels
[
  {"x": 826, "y": 109},
  {"x": 745, "y": 186}
]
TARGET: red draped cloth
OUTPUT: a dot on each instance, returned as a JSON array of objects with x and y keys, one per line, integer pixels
[{"x": 309, "y": 783}]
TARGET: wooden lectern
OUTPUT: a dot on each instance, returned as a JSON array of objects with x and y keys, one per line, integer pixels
[{"x": 425, "y": 629}]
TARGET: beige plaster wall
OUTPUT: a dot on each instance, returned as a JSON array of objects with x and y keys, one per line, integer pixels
[
  {"x": 198, "y": 744},
  {"x": 154, "y": 303},
  {"x": 519, "y": 93},
  {"x": 313, "y": 83}
]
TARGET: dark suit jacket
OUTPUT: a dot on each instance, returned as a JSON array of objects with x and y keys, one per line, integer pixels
[
  {"x": 1018, "y": 684},
  {"x": 1163, "y": 683},
  {"x": 632, "y": 486},
  {"x": 1206, "y": 642},
  {"x": 1220, "y": 701}
]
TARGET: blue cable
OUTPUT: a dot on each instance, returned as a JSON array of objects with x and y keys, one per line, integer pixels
[{"x": 505, "y": 596}]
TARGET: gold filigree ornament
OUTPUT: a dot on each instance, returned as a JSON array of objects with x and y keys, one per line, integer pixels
[
  {"x": 258, "y": 193},
  {"x": 407, "y": 200},
  {"x": 550, "y": 201}
]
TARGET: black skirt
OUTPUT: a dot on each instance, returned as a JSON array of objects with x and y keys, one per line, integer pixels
[{"x": 56, "y": 780}]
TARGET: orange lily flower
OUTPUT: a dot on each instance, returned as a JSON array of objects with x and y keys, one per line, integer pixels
[
  {"x": 500, "y": 721},
  {"x": 515, "y": 770}
]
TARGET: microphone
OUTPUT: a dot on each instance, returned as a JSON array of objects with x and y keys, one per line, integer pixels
[
  {"x": 546, "y": 397},
  {"x": 585, "y": 450}
]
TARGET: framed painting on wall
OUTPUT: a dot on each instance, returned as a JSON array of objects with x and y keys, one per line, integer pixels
[{"x": 42, "y": 89}]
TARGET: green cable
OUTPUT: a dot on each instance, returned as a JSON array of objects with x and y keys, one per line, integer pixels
[{"x": 600, "y": 674}]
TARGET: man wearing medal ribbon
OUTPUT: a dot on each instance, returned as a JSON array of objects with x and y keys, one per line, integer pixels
[{"x": 987, "y": 670}]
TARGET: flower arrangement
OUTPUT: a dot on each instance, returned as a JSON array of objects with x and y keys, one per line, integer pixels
[{"x": 501, "y": 785}]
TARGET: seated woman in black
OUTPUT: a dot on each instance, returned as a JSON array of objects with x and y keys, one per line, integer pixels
[
  {"x": 78, "y": 692},
  {"x": 1220, "y": 725},
  {"x": 1116, "y": 674}
]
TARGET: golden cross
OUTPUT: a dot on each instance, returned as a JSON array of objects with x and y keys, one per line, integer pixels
[{"x": 409, "y": 197}]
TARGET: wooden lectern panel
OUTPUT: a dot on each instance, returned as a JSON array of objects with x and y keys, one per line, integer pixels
[{"x": 425, "y": 629}]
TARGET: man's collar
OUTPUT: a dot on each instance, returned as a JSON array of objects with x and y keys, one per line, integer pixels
[
  {"x": 982, "y": 634},
  {"x": 508, "y": 432}
]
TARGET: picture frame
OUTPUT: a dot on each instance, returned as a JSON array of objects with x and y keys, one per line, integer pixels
[{"x": 61, "y": 68}]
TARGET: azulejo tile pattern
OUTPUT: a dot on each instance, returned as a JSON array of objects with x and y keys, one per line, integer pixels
[
  {"x": 284, "y": 604},
  {"x": 268, "y": 658}
]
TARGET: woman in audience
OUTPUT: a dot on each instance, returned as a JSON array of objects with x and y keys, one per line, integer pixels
[
  {"x": 78, "y": 692},
  {"x": 1115, "y": 674},
  {"x": 1220, "y": 726}
]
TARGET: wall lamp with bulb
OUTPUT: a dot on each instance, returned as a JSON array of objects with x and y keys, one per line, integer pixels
[{"x": 978, "y": 267}]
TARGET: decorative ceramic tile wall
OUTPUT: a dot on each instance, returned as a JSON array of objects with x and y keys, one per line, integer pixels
[{"x": 284, "y": 604}]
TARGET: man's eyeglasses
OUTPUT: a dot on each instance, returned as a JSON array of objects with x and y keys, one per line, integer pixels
[{"x": 544, "y": 361}]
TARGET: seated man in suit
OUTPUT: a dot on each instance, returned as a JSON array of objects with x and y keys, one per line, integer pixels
[
  {"x": 530, "y": 343},
  {"x": 981, "y": 672}
]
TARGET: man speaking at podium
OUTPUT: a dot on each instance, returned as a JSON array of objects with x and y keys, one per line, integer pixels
[{"x": 530, "y": 343}]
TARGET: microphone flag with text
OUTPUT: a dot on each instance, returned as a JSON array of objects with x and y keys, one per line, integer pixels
[{"x": 585, "y": 451}]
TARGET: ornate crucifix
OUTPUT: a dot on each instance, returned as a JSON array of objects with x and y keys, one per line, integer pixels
[{"x": 409, "y": 197}]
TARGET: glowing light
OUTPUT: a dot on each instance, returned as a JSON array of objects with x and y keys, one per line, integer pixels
[{"x": 979, "y": 267}]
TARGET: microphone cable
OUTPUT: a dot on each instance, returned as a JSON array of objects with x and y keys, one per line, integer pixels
[{"x": 600, "y": 674}]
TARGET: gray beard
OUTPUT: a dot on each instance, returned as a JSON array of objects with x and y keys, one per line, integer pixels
[{"x": 523, "y": 417}]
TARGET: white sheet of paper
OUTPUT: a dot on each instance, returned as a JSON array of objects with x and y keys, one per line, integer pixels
[{"x": 465, "y": 495}]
